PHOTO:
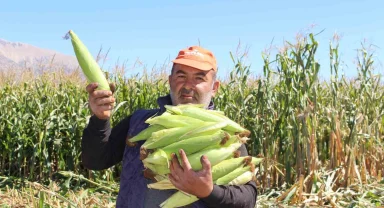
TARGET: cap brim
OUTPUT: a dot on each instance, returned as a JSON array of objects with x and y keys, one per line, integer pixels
[{"x": 194, "y": 64}]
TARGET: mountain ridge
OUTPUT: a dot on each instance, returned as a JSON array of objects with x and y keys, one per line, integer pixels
[{"x": 17, "y": 55}]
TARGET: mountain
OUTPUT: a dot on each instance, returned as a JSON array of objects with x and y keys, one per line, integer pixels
[{"x": 15, "y": 55}]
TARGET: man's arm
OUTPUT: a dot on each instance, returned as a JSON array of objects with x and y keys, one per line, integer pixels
[{"x": 103, "y": 147}]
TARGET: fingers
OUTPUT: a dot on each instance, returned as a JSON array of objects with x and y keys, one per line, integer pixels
[
  {"x": 104, "y": 101},
  {"x": 176, "y": 169},
  {"x": 175, "y": 165},
  {"x": 91, "y": 87},
  {"x": 206, "y": 164},
  {"x": 101, "y": 102},
  {"x": 101, "y": 93},
  {"x": 184, "y": 160}
]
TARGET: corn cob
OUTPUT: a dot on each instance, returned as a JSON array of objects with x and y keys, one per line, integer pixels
[
  {"x": 162, "y": 169},
  {"x": 147, "y": 133},
  {"x": 168, "y": 136},
  {"x": 198, "y": 132},
  {"x": 159, "y": 157},
  {"x": 87, "y": 63},
  {"x": 203, "y": 114},
  {"x": 207, "y": 129},
  {"x": 178, "y": 199},
  {"x": 227, "y": 166},
  {"x": 243, "y": 178},
  {"x": 195, "y": 144},
  {"x": 215, "y": 155},
  {"x": 171, "y": 121},
  {"x": 233, "y": 175}
]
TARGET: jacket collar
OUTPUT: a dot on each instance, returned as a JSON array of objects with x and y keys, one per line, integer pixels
[{"x": 166, "y": 100}]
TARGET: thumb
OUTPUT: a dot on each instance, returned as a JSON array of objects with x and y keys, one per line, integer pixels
[{"x": 205, "y": 163}]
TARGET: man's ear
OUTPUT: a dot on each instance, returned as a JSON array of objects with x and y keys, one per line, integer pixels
[{"x": 215, "y": 88}]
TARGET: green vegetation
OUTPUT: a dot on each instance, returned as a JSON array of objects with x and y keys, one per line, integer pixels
[{"x": 322, "y": 140}]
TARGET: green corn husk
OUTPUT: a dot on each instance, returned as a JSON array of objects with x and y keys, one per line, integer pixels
[
  {"x": 159, "y": 157},
  {"x": 178, "y": 199},
  {"x": 166, "y": 137},
  {"x": 255, "y": 161},
  {"x": 205, "y": 115},
  {"x": 164, "y": 184},
  {"x": 214, "y": 155},
  {"x": 146, "y": 133},
  {"x": 195, "y": 144},
  {"x": 243, "y": 178},
  {"x": 232, "y": 175},
  {"x": 227, "y": 166},
  {"x": 207, "y": 129},
  {"x": 160, "y": 170},
  {"x": 171, "y": 121},
  {"x": 189, "y": 105},
  {"x": 88, "y": 64}
]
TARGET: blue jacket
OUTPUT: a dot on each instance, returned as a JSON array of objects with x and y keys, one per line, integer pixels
[{"x": 133, "y": 185}]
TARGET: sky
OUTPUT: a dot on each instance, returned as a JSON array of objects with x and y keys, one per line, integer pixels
[{"x": 154, "y": 31}]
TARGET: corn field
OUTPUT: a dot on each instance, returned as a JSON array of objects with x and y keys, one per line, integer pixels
[{"x": 322, "y": 140}]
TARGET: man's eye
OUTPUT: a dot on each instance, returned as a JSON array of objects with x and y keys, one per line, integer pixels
[
  {"x": 181, "y": 76},
  {"x": 199, "y": 78}
]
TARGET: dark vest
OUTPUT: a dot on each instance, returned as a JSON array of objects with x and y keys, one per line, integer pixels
[{"x": 133, "y": 185}]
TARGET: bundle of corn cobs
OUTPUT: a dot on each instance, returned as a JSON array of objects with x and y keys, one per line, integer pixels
[{"x": 198, "y": 132}]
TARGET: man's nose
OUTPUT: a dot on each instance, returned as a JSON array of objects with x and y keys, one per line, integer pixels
[{"x": 188, "y": 84}]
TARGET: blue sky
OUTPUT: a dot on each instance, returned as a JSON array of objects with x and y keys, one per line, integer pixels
[{"x": 154, "y": 31}]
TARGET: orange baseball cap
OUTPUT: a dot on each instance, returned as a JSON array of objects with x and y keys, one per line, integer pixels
[{"x": 197, "y": 57}]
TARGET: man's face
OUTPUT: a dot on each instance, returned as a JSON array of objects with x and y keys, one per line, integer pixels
[{"x": 191, "y": 85}]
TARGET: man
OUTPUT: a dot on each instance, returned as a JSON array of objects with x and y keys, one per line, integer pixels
[{"x": 192, "y": 80}]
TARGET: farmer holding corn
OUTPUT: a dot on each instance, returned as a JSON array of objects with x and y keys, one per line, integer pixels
[{"x": 192, "y": 80}]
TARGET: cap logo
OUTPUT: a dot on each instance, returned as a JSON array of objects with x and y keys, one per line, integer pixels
[{"x": 194, "y": 53}]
